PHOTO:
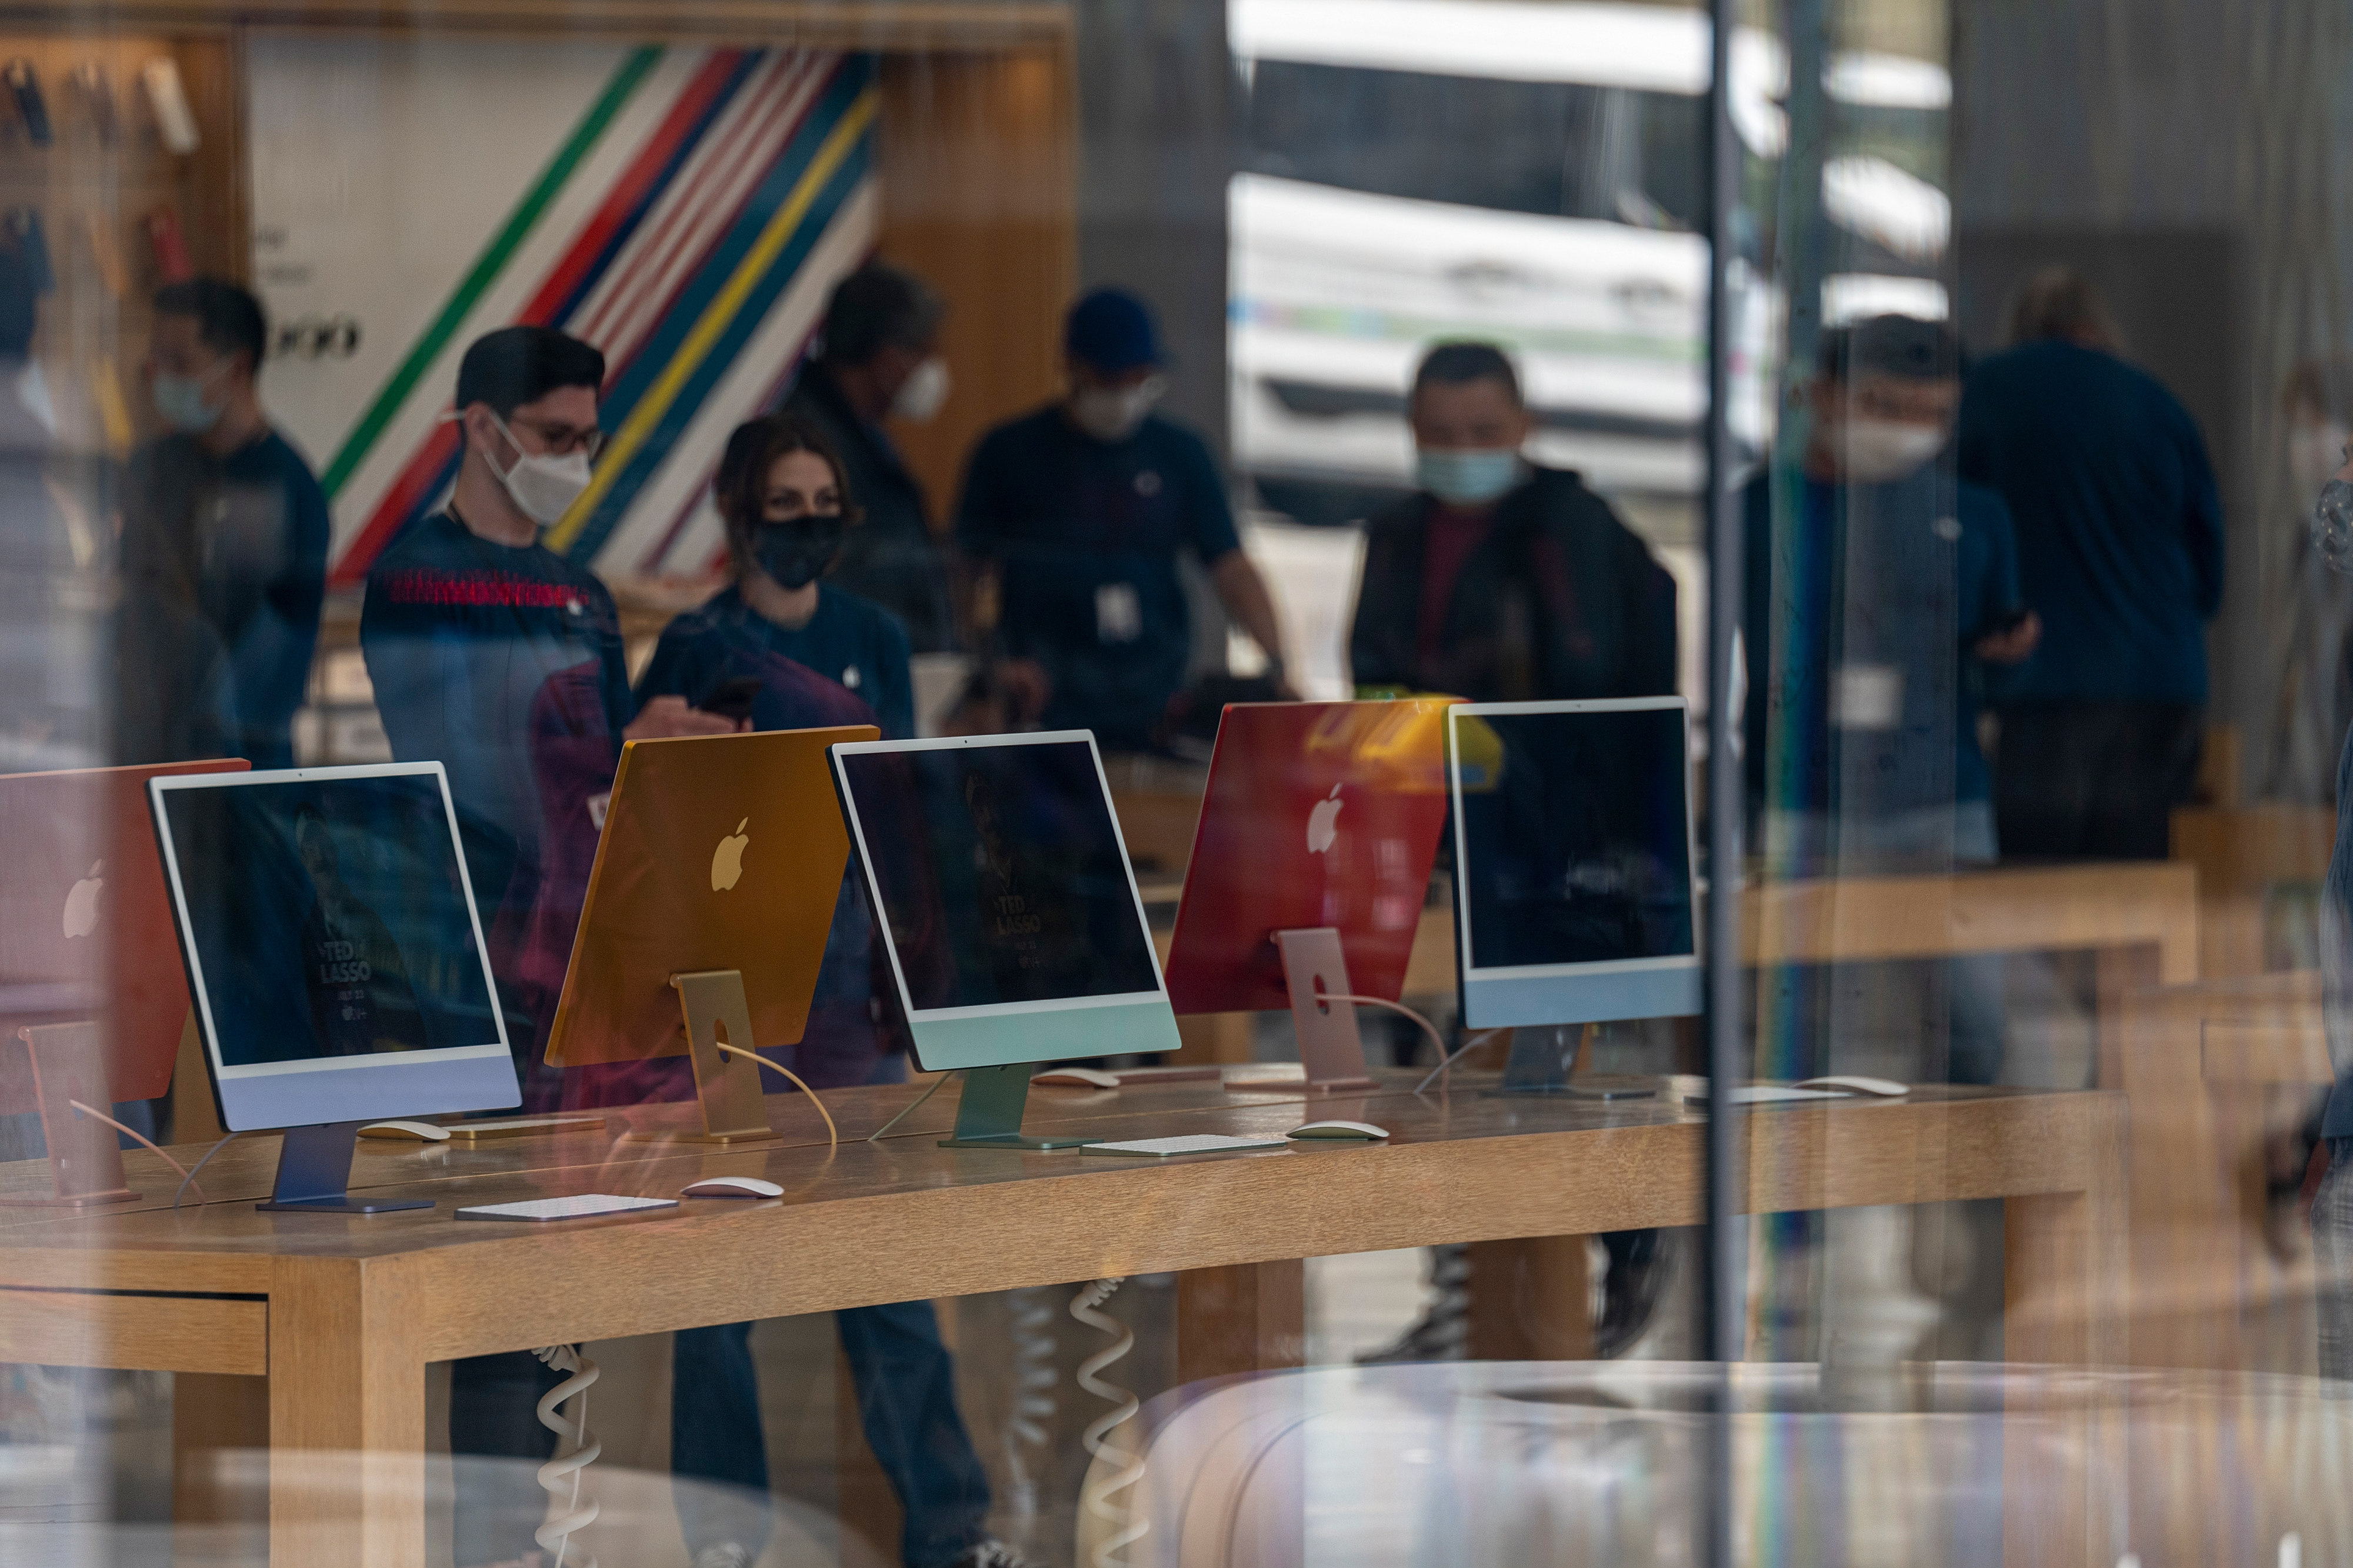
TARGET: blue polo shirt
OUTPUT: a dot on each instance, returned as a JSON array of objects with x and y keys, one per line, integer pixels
[
  {"x": 856, "y": 644},
  {"x": 1085, "y": 534},
  {"x": 1897, "y": 580}
]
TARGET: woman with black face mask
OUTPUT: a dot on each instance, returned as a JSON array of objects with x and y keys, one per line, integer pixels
[
  {"x": 749, "y": 653},
  {"x": 783, "y": 649}
]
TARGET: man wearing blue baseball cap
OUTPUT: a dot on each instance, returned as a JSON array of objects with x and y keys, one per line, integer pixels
[{"x": 1080, "y": 510}]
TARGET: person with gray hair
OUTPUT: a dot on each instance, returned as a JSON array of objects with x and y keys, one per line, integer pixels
[
  {"x": 878, "y": 360},
  {"x": 2120, "y": 551}
]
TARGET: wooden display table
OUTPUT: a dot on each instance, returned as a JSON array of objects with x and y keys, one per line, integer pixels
[
  {"x": 2243, "y": 854},
  {"x": 342, "y": 1316},
  {"x": 2199, "y": 1064},
  {"x": 2138, "y": 920}
]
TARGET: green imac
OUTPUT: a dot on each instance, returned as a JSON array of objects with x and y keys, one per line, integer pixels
[{"x": 1009, "y": 911}]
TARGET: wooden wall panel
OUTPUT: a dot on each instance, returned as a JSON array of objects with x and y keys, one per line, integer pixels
[{"x": 979, "y": 193}]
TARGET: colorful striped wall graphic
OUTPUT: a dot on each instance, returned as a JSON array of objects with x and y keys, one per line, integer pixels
[{"x": 689, "y": 221}]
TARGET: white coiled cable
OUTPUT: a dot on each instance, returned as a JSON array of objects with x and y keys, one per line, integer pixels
[
  {"x": 1033, "y": 1310},
  {"x": 1086, "y": 1306},
  {"x": 555, "y": 1535}
]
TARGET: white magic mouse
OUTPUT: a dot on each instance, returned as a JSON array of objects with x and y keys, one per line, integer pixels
[
  {"x": 1357, "y": 1130},
  {"x": 731, "y": 1187},
  {"x": 1077, "y": 1077},
  {"x": 1857, "y": 1082},
  {"x": 422, "y": 1131}
]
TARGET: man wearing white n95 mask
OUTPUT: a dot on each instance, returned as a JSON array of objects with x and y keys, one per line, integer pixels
[
  {"x": 1501, "y": 580},
  {"x": 502, "y": 659}
]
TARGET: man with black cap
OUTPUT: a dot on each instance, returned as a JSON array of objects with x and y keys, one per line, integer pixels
[{"x": 1080, "y": 508}]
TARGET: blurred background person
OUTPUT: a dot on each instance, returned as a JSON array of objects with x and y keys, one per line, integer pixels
[
  {"x": 1499, "y": 580},
  {"x": 227, "y": 489},
  {"x": 880, "y": 360},
  {"x": 2120, "y": 552},
  {"x": 1867, "y": 626},
  {"x": 812, "y": 653},
  {"x": 1078, "y": 512},
  {"x": 2313, "y": 701}
]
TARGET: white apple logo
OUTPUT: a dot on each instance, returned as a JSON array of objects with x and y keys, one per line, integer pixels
[
  {"x": 727, "y": 861},
  {"x": 82, "y": 904},
  {"x": 1324, "y": 822}
]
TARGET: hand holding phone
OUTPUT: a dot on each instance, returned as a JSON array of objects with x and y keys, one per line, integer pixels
[{"x": 733, "y": 699}]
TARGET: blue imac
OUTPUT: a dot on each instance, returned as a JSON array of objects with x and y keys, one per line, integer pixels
[
  {"x": 337, "y": 964},
  {"x": 1009, "y": 911},
  {"x": 1573, "y": 853}
]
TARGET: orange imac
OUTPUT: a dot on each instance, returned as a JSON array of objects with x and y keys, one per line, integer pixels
[
  {"x": 93, "y": 1000},
  {"x": 708, "y": 907}
]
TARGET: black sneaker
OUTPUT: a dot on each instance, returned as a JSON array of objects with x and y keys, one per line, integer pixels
[{"x": 992, "y": 1553}]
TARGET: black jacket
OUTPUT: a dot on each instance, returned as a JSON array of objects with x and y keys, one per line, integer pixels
[
  {"x": 1560, "y": 601},
  {"x": 891, "y": 557}
]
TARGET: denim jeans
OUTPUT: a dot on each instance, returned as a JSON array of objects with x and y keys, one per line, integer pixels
[{"x": 905, "y": 1380}]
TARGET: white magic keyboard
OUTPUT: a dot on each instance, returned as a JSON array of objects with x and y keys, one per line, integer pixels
[
  {"x": 587, "y": 1206},
  {"x": 1192, "y": 1143}
]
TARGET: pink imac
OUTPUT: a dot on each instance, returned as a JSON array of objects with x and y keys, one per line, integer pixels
[
  {"x": 93, "y": 998},
  {"x": 1310, "y": 867}
]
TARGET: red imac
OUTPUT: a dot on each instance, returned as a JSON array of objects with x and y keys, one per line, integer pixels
[
  {"x": 1310, "y": 868},
  {"x": 93, "y": 997}
]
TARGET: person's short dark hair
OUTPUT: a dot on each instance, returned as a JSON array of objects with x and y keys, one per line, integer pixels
[
  {"x": 228, "y": 319},
  {"x": 1904, "y": 348},
  {"x": 20, "y": 298},
  {"x": 516, "y": 365},
  {"x": 740, "y": 488},
  {"x": 880, "y": 307},
  {"x": 2060, "y": 303},
  {"x": 1460, "y": 363}
]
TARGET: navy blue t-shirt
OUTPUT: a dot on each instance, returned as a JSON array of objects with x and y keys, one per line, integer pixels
[
  {"x": 1881, "y": 588},
  {"x": 1086, "y": 533},
  {"x": 504, "y": 664},
  {"x": 851, "y": 641},
  {"x": 2119, "y": 523},
  {"x": 261, "y": 523}
]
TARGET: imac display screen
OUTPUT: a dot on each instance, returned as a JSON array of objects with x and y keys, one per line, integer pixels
[
  {"x": 1576, "y": 845},
  {"x": 1000, "y": 873},
  {"x": 330, "y": 919}
]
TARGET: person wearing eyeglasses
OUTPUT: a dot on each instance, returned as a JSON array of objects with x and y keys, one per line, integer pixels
[{"x": 502, "y": 659}]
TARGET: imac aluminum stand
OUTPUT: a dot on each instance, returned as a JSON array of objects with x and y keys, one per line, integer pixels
[
  {"x": 727, "y": 1088},
  {"x": 85, "y": 1161},
  {"x": 989, "y": 1115},
  {"x": 1544, "y": 1055},
  {"x": 314, "y": 1174},
  {"x": 1330, "y": 1048}
]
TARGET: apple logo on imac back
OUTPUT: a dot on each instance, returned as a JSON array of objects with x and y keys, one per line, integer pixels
[
  {"x": 1324, "y": 822},
  {"x": 727, "y": 861},
  {"x": 81, "y": 903}
]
